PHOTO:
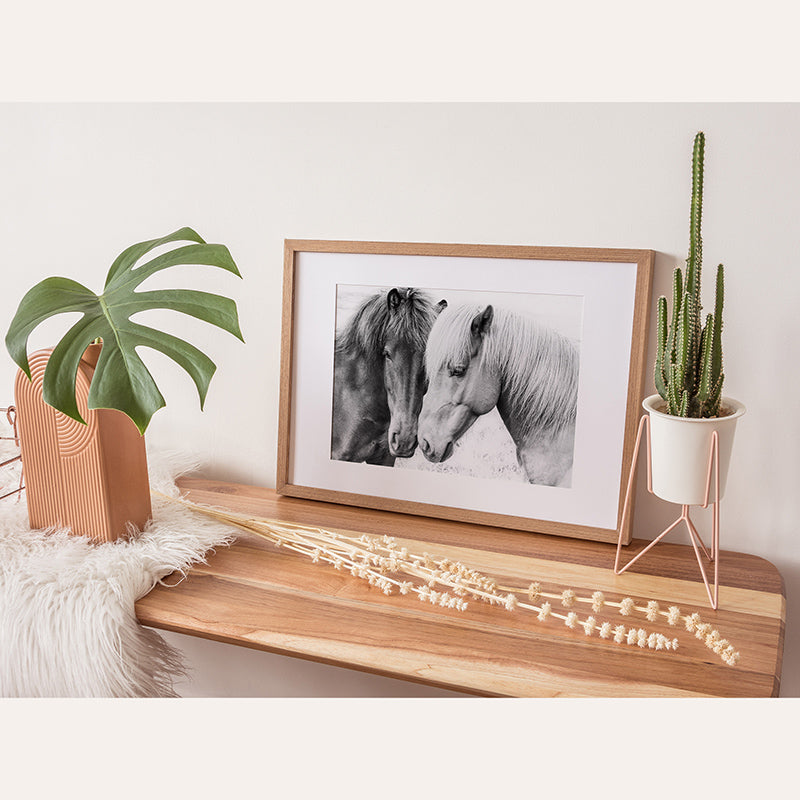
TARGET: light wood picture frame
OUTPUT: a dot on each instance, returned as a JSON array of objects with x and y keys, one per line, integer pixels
[{"x": 513, "y": 403}]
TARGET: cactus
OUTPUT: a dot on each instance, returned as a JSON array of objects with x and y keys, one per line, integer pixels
[{"x": 688, "y": 368}]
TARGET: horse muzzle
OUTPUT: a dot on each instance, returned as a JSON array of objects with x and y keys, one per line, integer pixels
[
  {"x": 400, "y": 446},
  {"x": 440, "y": 429},
  {"x": 436, "y": 454}
]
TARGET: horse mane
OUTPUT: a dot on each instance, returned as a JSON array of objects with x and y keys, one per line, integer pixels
[
  {"x": 372, "y": 323},
  {"x": 537, "y": 365}
]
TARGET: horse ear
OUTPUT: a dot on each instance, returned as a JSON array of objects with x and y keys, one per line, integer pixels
[
  {"x": 440, "y": 306},
  {"x": 393, "y": 299},
  {"x": 481, "y": 322}
]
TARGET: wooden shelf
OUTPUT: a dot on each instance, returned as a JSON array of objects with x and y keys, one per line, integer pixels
[{"x": 259, "y": 596}]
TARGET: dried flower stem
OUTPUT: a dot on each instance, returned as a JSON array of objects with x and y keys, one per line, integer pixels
[
  {"x": 627, "y": 606},
  {"x": 383, "y": 563}
]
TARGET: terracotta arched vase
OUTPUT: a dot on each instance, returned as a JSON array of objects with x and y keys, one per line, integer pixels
[{"x": 89, "y": 478}]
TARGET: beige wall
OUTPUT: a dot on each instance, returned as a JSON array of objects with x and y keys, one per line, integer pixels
[{"x": 80, "y": 182}]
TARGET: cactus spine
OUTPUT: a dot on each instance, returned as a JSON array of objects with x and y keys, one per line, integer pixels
[{"x": 688, "y": 369}]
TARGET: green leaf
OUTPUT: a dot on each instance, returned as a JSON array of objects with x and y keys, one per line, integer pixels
[
  {"x": 121, "y": 380},
  {"x": 51, "y": 296},
  {"x": 127, "y": 258}
]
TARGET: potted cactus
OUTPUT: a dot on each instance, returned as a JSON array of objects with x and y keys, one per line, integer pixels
[{"x": 689, "y": 375}]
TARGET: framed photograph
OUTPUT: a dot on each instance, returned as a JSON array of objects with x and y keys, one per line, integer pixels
[{"x": 489, "y": 384}]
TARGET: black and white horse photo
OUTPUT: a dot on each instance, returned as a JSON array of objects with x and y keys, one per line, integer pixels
[
  {"x": 478, "y": 358},
  {"x": 379, "y": 376}
]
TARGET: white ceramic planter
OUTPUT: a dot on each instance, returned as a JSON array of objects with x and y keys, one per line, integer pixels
[{"x": 680, "y": 449}]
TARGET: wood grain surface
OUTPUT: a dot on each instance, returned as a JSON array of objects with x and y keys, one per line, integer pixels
[{"x": 256, "y": 595}]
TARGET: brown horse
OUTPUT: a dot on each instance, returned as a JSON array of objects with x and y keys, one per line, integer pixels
[
  {"x": 480, "y": 357},
  {"x": 379, "y": 377}
]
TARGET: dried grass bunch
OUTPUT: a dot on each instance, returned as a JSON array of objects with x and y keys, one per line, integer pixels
[{"x": 391, "y": 567}]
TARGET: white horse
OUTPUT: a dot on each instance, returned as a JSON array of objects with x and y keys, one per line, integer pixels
[{"x": 481, "y": 357}]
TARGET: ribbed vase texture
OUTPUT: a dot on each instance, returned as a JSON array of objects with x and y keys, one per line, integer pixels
[{"x": 89, "y": 478}]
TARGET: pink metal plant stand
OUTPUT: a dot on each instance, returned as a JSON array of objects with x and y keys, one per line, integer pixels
[
  {"x": 11, "y": 416},
  {"x": 697, "y": 542}
]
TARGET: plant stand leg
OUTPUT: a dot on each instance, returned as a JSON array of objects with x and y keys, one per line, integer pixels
[
  {"x": 11, "y": 416},
  {"x": 694, "y": 536},
  {"x": 713, "y": 460},
  {"x": 642, "y": 432},
  {"x": 695, "y": 539}
]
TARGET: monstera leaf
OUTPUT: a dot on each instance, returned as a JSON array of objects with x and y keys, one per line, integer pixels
[{"x": 121, "y": 381}]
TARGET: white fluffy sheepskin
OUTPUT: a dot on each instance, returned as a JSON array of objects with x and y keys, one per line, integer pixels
[{"x": 67, "y": 621}]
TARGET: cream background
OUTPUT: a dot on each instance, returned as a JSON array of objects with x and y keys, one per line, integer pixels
[{"x": 80, "y": 182}]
